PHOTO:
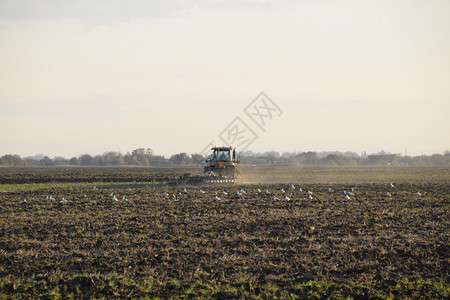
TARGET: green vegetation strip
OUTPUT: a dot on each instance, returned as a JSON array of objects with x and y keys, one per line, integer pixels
[
  {"x": 114, "y": 285},
  {"x": 81, "y": 185}
]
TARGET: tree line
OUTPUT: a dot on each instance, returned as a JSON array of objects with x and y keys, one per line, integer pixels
[{"x": 146, "y": 157}]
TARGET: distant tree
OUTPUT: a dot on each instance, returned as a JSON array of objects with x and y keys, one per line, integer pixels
[
  {"x": 97, "y": 160},
  {"x": 142, "y": 155},
  {"x": 128, "y": 158},
  {"x": 11, "y": 160},
  {"x": 30, "y": 161},
  {"x": 143, "y": 151},
  {"x": 46, "y": 161},
  {"x": 112, "y": 158},
  {"x": 74, "y": 161},
  {"x": 59, "y": 160},
  {"x": 158, "y": 161},
  {"x": 181, "y": 159},
  {"x": 85, "y": 160},
  {"x": 307, "y": 158},
  {"x": 197, "y": 159}
]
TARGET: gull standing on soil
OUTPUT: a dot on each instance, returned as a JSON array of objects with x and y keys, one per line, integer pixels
[
  {"x": 114, "y": 198},
  {"x": 243, "y": 192},
  {"x": 347, "y": 197},
  {"x": 388, "y": 194},
  {"x": 282, "y": 190},
  {"x": 287, "y": 198},
  {"x": 292, "y": 187},
  {"x": 418, "y": 194},
  {"x": 63, "y": 200},
  {"x": 202, "y": 191},
  {"x": 330, "y": 190},
  {"x": 216, "y": 197},
  {"x": 124, "y": 198},
  {"x": 258, "y": 190},
  {"x": 225, "y": 193},
  {"x": 24, "y": 200},
  {"x": 391, "y": 185},
  {"x": 275, "y": 198},
  {"x": 185, "y": 190},
  {"x": 309, "y": 197},
  {"x": 300, "y": 190},
  {"x": 267, "y": 192},
  {"x": 174, "y": 198},
  {"x": 165, "y": 194}
]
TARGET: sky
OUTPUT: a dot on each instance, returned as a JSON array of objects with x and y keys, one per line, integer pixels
[{"x": 177, "y": 76}]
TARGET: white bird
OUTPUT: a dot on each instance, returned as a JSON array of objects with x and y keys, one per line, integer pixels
[
  {"x": 47, "y": 198},
  {"x": 202, "y": 191},
  {"x": 24, "y": 200},
  {"x": 258, "y": 190},
  {"x": 174, "y": 198},
  {"x": 350, "y": 193},
  {"x": 282, "y": 190},
  {"x": 287, "y": 198},
  {"x": 114, "y": 198},
  {"x": 300, "y": 190},
  {"x": 185, "y": 190},
  {"x": 85, "y": 197},
  {"x": 347, "y": 197},
  {"x": 243, "y": 192},
  {"x": 309, "y": 197},
  {"x": 179, "y": 193},
  {"x": 95, "y": 188},
  {"x": 391, "y": 185},
  {"x": 112, "y": 194},
  {"x": 216, "y": 198},
  {"x": 330, "y": 190},
  {"x": 309, "y": 193},
  {"x": 418, "y": 194},
  {"x": 237, "y": 193},
  {"x": 63, "y": 200},
  {"x": 345, "y": 193},
  {"x": 292, "y": 187},
  {"x": 275, "y": 198},
  {"x": 165, "y": 194},
  {"x": 225, "y": 193},
  {"x": 388, "y": 194},
  {"x": 353, "y": 190},
  {"x": 267, "y": 192},
  {"x": 124, "y": 198}
]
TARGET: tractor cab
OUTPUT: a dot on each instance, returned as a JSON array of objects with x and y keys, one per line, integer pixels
[{"x": 223, "y": 154}]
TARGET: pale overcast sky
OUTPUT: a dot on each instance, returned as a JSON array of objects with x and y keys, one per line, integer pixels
[{"x": 93, "y": 76}]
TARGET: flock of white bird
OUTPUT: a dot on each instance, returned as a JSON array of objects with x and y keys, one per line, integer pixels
[{"x": 275, "y": 195}]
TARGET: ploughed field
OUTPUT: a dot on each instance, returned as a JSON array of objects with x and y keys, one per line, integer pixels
[{"x": 171, "y": 242}]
